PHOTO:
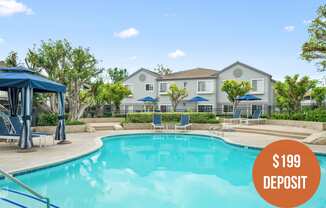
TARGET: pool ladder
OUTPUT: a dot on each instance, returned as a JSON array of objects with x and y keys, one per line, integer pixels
[{"x": 26, "y": 187}]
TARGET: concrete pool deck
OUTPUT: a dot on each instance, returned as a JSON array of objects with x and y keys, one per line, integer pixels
[{"x": 85, "y": 143}]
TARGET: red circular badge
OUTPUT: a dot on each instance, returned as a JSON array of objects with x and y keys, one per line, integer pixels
[{"x": 286, "y": 173}]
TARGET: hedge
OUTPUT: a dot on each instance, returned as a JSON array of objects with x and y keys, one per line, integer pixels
[
  {"x": 318, "y": 115},
  {"x": 172, "y": 117},
  {"x": 51, "y": 119}
]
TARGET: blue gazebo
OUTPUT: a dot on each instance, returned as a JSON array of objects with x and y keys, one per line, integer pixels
[{"x": 24, "y": 82}]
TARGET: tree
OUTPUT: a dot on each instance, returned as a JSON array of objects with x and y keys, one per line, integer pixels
[
  {"x": 319, "y": 95},
  {"x": 12, "y": 59},
  {"x": 176, "y": 95},
  {"x": 235, "y": 89},
  {"x": 315, "y": 48},
  {"x": 79, "y": 74},
  {"x": 116, "y": 93},
  {"x": 52, "y": 59},
  {"x": 292, "y": 91},
  {"x": 74, "y": 67},
  {"x": 95, "y": 96},
  {"x": 162, "y": 70},
  {"x": 117, "y": 74}
]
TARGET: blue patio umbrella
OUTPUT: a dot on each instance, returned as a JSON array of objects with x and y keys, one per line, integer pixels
[
  {"x": 149, "y": 99},
  {"x": 248, "y": 97},
  {"x": 197, "y": 99}
]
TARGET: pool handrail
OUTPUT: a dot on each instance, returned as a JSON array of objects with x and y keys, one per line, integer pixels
[{"x": 26, "y": 187}]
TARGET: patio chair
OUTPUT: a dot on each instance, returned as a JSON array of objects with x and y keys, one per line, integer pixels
[
  {"x": 17, "y": 126},
  {"x": 184, "y": 123},
  {"x": 236, "y": 117},
  {"x": 256, "y": 117},
  {"x": 157, "y": 122}
]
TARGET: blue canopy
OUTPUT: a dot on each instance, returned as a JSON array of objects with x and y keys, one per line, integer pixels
[
  {"x": 248, "y": 97},
  {"x": 148, "y": 99},
  {"x": 197, "y": 99},
  {"x": 23, "y": 78},
  {"x": 25, "y": 82}
]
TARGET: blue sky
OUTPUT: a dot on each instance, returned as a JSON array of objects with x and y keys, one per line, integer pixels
[{"x": 181, "y": 34}]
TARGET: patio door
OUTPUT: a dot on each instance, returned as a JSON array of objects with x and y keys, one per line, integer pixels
[{"x": 256, "y": 107}]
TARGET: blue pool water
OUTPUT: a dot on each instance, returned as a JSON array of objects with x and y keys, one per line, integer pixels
[{"x": 158, "y": 170}]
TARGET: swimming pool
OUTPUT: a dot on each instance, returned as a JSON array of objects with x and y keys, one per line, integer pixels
[{"x": 158, "y": 170}]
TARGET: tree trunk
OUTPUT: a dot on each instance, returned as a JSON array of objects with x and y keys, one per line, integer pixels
[{"x": 81, "y": 111}]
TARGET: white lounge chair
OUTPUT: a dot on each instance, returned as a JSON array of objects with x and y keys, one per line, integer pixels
[
  {"x": 184, "y": 123},
  {"x": 157, "y": 122},
  {"x": 256, "y": 118},
  {"x": 236, "y": 117}
]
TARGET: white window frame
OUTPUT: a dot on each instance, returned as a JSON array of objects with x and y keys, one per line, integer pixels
[
  {"x": 167, "y": 88},
  {"x": 149, "y": 84},
  {"x": 205, "y": 92},
  {"x": 131, "y": 88},
  {"x": 206, "y": 105},
  {"x": 258, "y": 92}
]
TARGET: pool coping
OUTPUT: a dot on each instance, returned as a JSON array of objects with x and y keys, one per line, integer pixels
[{"x": 99, "y": 144}]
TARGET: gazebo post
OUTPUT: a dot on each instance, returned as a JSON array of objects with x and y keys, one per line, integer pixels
[
  {"x": 25, "y": 140},
  {"x": 60, "y": 133}
]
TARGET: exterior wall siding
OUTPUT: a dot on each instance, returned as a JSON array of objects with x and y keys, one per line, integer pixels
[{"x": 216, "y": 99}]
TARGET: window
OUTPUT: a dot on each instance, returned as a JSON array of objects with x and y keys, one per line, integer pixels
[
  {"x": 227, "y": 108},
  {"x": 257, "y": 86},
  {"x": 149, "y": 87},
  {"x": 185, "y": 84},
  {"x": 164, "y": 86},
  {"x": 205, "y": 86},
  {"x": 165, "y": 108},
  {"x": 130, "y": 88},
  {"x": 205, "y": 108}
]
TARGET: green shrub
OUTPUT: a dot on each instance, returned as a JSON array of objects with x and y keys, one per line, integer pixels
[
  {"x": 74, "y": 122},
  {"x": 47, "y": 119},
  {"x": 172, "y": 117},
  {"x": 318, "y": 115},
  {"x": 51, "y": 119}
]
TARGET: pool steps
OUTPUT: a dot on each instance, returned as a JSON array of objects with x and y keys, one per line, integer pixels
[
  {"x": 22, "y": 200},
  {"x": 10, "y": 203},
  {"x": 280, "y": 133}
]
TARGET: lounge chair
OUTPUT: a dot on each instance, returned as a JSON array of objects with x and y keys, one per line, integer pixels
[
  {"x": 184, "y": 122},
  {"x": 17, "y": 126},
  {"x": 5, "y": 132},
  {"x": 256, "y": 117},
  {"x": 157, "y": 121},
  {"x": 236, "y": 117}
]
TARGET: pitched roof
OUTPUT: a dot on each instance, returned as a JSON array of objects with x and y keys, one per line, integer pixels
[
  {"x": 245, "y": 65},
  {"x": 191, "y": 74},
  {"x": 145, "y": 70}
]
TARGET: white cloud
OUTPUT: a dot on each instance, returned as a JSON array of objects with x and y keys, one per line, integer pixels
[
  {"x": 11, "y": 7},
  {"x": 307, "y": 22},
  {"x": 128, "y": 33},
  {"x": 289, "y": 28},
  {"x": 176, "y": 54}
]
